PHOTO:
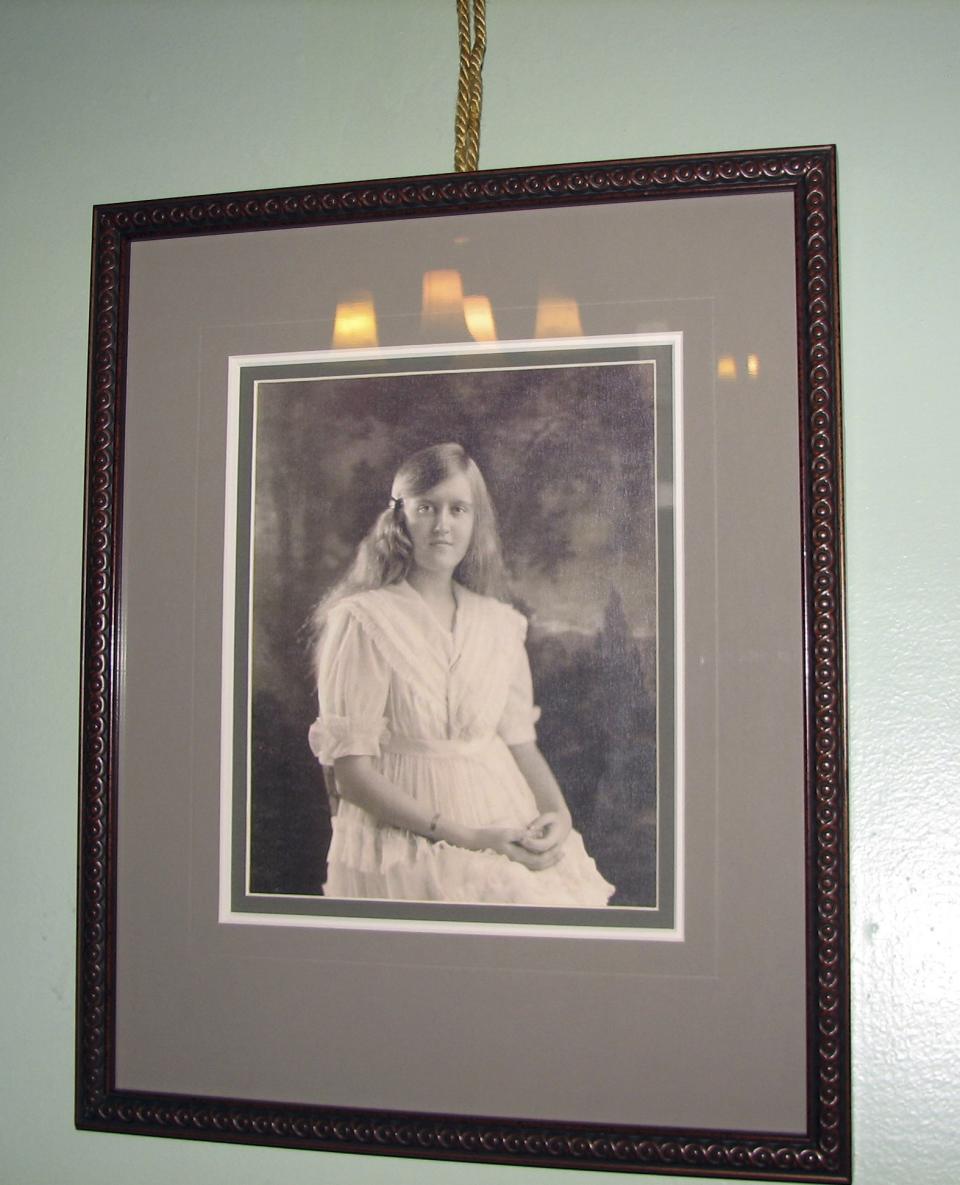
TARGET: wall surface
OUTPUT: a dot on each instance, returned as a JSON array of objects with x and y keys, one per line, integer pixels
[{"x": 110, "y": 100}]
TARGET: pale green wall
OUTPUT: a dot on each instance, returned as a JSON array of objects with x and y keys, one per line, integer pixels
[{"x": 107, "y": 100}]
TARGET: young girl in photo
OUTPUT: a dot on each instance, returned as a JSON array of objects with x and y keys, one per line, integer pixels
[{"x": 426, "y": 712}]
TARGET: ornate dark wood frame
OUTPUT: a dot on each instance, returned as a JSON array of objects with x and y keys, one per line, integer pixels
[{"x": 820, "y": 1154}]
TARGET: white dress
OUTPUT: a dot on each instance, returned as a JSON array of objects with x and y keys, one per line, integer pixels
[{"x": 437, "y": 711}]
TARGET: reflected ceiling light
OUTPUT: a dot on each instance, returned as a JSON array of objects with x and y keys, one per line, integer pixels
[
  {"x": 441, "y": 314},
  {"x": 479, "y": 318},
  {"x": 726, "y": 367},
  {"x": 753, "y": 365},
  {"x": 355, "y": 323},
  {"x": 558, "y": 316}
]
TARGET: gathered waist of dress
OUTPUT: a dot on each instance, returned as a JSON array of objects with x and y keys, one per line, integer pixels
[{"x": 434, "y": 746}]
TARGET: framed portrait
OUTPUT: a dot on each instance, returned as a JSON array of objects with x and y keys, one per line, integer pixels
[
  {"x": 462, "y": 725},
  {"x": 576, "y": 441}
]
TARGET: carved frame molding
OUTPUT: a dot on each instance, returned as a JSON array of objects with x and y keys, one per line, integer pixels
[{"x": 823, "y": 1152}]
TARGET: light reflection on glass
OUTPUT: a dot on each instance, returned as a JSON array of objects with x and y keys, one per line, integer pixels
[
  {"x": 441, "y": 314},
  {"x": 726, "y": 367},
  {"x": 479, "y": 317},
  {"x": 753, "y": 365},
  {"x": 558, "y": 316},
  {"x": 355, "y": 323}
]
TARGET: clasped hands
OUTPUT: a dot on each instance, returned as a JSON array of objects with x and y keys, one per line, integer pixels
[{"x": 537, "y": 846}]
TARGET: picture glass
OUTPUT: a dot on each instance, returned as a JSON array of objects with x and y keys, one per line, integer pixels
[{"x": 253, "y": 319}]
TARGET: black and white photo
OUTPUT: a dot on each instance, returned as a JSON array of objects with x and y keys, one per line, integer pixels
[{"x": 457, "y": 573}]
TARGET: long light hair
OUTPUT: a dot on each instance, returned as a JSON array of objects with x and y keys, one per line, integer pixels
[{"x": 385, "y": 554}]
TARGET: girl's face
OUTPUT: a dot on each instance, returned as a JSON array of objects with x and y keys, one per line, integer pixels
[{"x": 440, "y": 524}]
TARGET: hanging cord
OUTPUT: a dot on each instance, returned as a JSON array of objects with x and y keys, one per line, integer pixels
[{"x": 466, "y": 153}]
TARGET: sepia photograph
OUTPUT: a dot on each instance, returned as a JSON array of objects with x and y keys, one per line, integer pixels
[{"x": 452, "y": 678}]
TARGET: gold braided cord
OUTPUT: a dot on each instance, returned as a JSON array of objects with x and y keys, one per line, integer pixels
[{"x": 466, "y": 153}]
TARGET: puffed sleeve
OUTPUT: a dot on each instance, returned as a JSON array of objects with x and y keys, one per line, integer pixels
[
  {"x": 520, "y": 715},
  {"x": 352, "y": 684}
]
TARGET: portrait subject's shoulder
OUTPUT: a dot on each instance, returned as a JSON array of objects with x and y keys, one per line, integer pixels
[
  {"x": 341, "y": 612},
  {"x": 384, "y": 618},
  {"x": 368, "y": 601},
  {"x": 363, "y": 609},
  {"x": 518, "y": 622},
  {"x": 499, "y": 616}
]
